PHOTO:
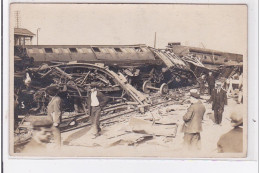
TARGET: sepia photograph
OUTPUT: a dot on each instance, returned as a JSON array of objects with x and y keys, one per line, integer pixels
[{"x": 128, "y": 80}]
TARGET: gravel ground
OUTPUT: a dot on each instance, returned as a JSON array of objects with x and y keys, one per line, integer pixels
[{"x": 114, "y": 141}]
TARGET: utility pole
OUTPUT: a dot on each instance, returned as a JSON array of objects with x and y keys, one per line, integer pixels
[
  {"x": 38, "y": 29},
  {"x": 17, "y": 18},
  {"x": 155, "y": 40}
]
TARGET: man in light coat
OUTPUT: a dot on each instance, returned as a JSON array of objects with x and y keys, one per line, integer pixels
[
  {"x": 193, "y": 123},
  {"x": 54, "y": 112}
]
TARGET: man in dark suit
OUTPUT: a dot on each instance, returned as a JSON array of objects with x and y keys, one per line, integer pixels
[
  {"x": 232, "y": 141},
  {"x": 219, "y": 100},
  {"x": 211, "y": 83},
  {"x": 192, "y": 122},
  {"x": 96, "y": 102}
]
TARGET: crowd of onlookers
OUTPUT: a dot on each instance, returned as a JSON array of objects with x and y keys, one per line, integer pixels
[
  {"x": 192, "y": 126},
  {"x": 218, "y": 92}
]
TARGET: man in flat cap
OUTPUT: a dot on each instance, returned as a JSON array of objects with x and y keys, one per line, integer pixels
[
  {"x": 54, "y": 112},
  {"x": 41, "y": 136},
  {"x": 232, "y": 142},
  {"x": 219, "y": 100},
  {"x": 96, "y": 102},
  {"x": 193, "y": 122}
]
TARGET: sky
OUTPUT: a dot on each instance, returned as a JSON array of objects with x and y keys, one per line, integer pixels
[{"x": 218, "y": 27}]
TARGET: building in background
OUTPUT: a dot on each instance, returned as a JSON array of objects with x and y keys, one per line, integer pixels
[{"x": 22, "y": 37}]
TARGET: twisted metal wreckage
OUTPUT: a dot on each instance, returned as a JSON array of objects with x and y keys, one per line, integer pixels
[{"x": 127, "y": 81}]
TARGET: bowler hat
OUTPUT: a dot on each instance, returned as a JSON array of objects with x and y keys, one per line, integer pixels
[{"x": 236, "y": 119}]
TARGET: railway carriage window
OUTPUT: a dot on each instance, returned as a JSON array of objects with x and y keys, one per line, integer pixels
[
  {"x": 40, "y": 50},
  {"x": 48, "y": 50},
  {"x": 56, "y": 50},
  {"x": 117, "y": 49},
  {"x": 138, "y": 49},
  {"x": 65, "y": 50},
  {"x": 79, "y": 50},
  {"x": 96, "y": 49},
  {"x": 205, "y": 57},
  {"x": 73, "y": 50},
  {"x": 30, "y": 50}
]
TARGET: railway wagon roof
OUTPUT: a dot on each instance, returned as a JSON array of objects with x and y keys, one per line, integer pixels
[{"x": 82, "y": 46}]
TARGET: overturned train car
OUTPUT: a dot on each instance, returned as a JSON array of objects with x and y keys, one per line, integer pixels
[{"x": 144, "y": 67}]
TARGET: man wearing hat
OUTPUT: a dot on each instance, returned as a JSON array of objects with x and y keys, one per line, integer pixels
[
  {"x": 192, "y": 122},
  {"x": 54, "y": 112},
  {"x": 232, "y": 142},
  {"x": 211, "y": 83},
  {"x": 219, "y": 99},
  {"x": 42, "y": 131},
  {"x": 96, "y": 102}
]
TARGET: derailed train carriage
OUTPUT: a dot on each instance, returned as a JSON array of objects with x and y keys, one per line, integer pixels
[
  {"x": 119, "y": 71},
  {"x": 138, "y": 63}
]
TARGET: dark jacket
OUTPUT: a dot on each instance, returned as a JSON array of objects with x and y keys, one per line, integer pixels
[
  {"x": 218, "y": 99},
  {"x": 211, "y": 80},
  {"x": 193, "y": 118},
  {"x": 231, "y": 142},
  {"x": 102, "y": 99}
]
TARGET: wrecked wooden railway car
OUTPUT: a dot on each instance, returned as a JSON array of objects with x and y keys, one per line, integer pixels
[{"x": 138, "y": 63}]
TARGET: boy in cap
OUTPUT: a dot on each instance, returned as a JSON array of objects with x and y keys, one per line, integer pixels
[
  {"x": 192, "y": 122},
  {"x": 42, "y": 131},
  {"x": 232, "y": 142},
  {"x": 54, "y": 112},
  {"x": 219, "y": 100}
]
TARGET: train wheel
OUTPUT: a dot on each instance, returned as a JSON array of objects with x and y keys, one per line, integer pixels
[
  {"x": 146, "y": 90},
  {"x": 164, "y": 89}
]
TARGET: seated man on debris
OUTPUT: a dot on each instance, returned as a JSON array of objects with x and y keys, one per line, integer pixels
[
  {"x": 41, "y": 136},
  {"x": 96, "y": 102},
  {"x": 232, "y": 142},
  {"x": 193, "y": 122}
]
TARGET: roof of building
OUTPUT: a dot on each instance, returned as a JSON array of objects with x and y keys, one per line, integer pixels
[{"x": 23, "y": 31}]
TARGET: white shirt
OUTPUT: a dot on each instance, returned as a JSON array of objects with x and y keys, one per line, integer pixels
[{"x": 94, "y": 99}]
